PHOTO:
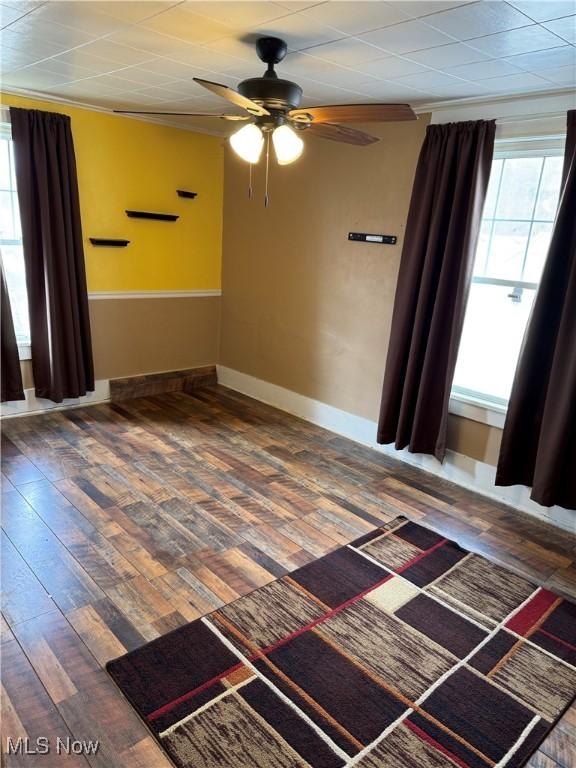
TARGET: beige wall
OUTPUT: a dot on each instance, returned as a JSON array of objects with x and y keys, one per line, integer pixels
[
  {"x": 27, "y": 378},
  {"x": 304, "y": 308},
  {"x": 133, "y": 336},
  {"x": 479, "y": 441}
]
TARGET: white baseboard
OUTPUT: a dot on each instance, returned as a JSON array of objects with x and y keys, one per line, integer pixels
[
  {"x": 457, "y": 468},
  {"x": 33, "y": 404}
]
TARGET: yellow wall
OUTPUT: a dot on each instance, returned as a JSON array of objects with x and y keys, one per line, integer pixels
[{"x": 126, "y": 163}]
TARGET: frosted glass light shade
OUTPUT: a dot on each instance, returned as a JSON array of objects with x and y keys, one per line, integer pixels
[
  {"x": 288, "y": 145},
  {"x": 248, "y": 143}
]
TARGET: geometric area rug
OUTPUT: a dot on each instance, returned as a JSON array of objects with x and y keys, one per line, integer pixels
[{"x": 400, "y": 650}]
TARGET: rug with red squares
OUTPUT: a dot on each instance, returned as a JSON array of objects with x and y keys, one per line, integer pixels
[{"x": 400, "y": 649}]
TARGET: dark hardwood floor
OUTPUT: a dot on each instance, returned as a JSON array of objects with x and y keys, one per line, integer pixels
[{"x": 123, "y": 521}]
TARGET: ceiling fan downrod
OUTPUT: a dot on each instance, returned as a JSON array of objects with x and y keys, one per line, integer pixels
[{"x": 277, "y": 94}]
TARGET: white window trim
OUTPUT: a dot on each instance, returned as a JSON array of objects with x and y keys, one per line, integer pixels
[
  {"x": 476, "y": 409},
  {"x": 530, "y": 146},
  {"x": 470, "y": 405}
]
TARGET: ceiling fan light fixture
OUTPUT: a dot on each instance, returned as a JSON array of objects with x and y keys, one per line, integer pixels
[
  {"x": 248, "y": 143},
  {"x": 288, "y": 146}
]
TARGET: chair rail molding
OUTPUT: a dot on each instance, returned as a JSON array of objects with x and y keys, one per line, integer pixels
[{"x": 194, "y": 294}]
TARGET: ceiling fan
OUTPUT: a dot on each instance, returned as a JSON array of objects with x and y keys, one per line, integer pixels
[{"x": 273, "y": 110}]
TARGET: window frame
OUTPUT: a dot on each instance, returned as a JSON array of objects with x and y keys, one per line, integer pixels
[
  {"x": 472, "y": 404},
  {"x": 24, "y": 348}
]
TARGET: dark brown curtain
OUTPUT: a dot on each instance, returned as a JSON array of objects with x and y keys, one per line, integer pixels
[
  {"x": 433, "y": 283},
  {"x": 539, "y": 439},
  {"x": 52, "y": 237},
  {"x": 11, "y": 373}
]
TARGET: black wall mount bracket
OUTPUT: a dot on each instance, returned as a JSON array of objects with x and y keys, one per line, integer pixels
[{"x": 363, "y": 237}]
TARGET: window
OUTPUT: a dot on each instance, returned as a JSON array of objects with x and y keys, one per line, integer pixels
[
  {"x": 515, "y": 234},
  {"x": 11, "y": 241}
]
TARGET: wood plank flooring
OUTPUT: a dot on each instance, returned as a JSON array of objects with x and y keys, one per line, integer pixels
[{"x": 123, "y": 521}]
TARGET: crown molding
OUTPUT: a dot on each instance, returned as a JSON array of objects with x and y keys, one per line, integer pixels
[
  {"x": 51, "y": 99},
  {"x": 479, "y": 100},
  {"x": 517, "y": 106}
]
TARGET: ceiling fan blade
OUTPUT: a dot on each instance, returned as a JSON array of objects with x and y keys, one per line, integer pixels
[
  {"x": 342, "y": 133},
  {"x": 182, "y": 114},
  {"x": 354, "y": 113},
  {"x": 233, "y": 96}
]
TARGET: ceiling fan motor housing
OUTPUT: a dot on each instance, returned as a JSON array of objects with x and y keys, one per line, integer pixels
[{"x": 272, "y": 92}]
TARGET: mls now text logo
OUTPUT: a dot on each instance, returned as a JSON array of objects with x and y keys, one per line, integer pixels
[{"x": 44, "y": 746}]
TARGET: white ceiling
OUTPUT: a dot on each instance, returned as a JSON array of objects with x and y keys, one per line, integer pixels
[{"x": 143, "y": 55}]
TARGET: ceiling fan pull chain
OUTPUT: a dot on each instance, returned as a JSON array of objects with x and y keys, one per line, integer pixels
[
  {"x": 267, "y": 168},
  {"x": 250, "y": 181}
]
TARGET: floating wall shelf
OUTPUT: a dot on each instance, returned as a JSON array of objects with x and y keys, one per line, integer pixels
[
  {"x": 149, "y": 215},
  {"x": 185, "y": 193},
  {"x": 109, "y": 243}
]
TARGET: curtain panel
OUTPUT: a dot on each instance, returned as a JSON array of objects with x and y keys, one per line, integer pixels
[
  {"x": 433, "y": 284},
  {"x": 539, "y": 439},
  {"x": 11, "y": 373},
  {"x": 47, "y": 185}
]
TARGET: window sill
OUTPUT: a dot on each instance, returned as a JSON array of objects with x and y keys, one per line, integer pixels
[
  {"x": 24, "y": 351},
  {"x": 477, "y": 410}
]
